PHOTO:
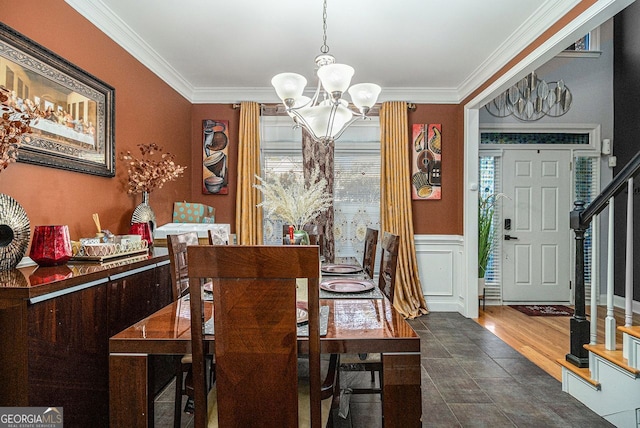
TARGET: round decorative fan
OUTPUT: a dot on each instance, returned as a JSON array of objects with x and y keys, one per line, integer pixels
[
  {"x": 14, "y": 232},
  {"x": 144, "y": 214}
]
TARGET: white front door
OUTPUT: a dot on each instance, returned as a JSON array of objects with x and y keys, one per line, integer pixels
[{"x": 536, "y": 247}]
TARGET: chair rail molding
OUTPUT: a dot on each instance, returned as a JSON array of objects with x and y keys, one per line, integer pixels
[{"x": 440, "y": 264}]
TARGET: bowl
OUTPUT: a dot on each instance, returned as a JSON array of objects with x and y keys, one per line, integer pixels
[
  {"x": 213, "y": 183},
  {"x": 216, "y": 163}
]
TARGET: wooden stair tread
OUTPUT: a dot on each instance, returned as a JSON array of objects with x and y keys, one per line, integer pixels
[
  {"x": 614, "y": 356},
  {"x": 631, "y": 331},
  {"x": 583, "y": 373}
]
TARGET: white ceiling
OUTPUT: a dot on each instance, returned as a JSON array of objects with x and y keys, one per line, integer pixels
[{"x": 417, "y": 50}]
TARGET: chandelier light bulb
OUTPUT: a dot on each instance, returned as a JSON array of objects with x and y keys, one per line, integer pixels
[
  {"x": 289, "y": 85},
  {"x": 364, "y": 95},
  {"x": 335, "y": 77}
]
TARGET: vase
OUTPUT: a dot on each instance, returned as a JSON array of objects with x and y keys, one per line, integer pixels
[
  {"x": 144, "y": 230},
  {"x": 301, "y": 237},
  {"x": 14, "y": 232},
  {"x": 143, "y": 213}
]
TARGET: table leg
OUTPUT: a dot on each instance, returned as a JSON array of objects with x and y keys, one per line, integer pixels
[
  {"x": 128, "y": 395},
  {"x": 402, "y": 402}
]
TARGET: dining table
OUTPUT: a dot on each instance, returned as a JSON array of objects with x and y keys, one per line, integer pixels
[{"x": 353, "y": 323}]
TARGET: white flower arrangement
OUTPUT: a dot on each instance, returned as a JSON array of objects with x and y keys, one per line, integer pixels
[{"x": 288, "y": 198}]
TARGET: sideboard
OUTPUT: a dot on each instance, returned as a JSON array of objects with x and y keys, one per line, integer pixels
[{"x": 55, "y": 324}]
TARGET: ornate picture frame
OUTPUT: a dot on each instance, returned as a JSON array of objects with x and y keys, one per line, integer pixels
[{"x": 76, "y": 130}]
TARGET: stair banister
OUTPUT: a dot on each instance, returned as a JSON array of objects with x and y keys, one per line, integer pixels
[
  {"x": 610, "y": 321},
  {"x": 628, "y": 272},
  {"x": 579, "y": 220},
  {"x": 616, "y": 186},
  {"x": 579, "y": 324}
]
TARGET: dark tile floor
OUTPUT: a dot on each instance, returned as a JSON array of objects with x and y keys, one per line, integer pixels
[{"x": 470, "y": 378}]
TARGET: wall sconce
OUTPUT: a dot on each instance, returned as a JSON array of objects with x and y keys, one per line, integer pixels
[{"x": 531, "y": 99}]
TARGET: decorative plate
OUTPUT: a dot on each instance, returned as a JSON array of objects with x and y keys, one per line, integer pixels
[
  {"x": 346, "y": 285},
  {"x": 341, "y": 268},
  {"x": 14, "y": 232},
  {"x": 301, "y": 313}
]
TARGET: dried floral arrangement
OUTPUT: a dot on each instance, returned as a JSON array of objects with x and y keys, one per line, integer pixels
[
  {"x": 288, "y": 198},
  {"x": 16, "y": 117},
  {"x": 148, "y": 173}
]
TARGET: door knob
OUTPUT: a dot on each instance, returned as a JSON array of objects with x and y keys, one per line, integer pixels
[{"x": 509, "y": 237}]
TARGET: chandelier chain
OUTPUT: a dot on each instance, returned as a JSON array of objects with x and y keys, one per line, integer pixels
[{"x": 324, "y": 48}]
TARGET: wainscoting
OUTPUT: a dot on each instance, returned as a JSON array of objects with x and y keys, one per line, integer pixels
[{"x": 440, "y": 266}]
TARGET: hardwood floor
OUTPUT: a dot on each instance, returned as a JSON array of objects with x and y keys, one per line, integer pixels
[{"x": 542, "y": 340}]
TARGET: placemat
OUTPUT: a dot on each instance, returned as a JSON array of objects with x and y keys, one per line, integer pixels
[{"x": 303, "y": 330}]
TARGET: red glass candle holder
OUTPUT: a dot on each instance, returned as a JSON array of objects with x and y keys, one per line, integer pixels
[
  {"x": 51, "y": 245},
  {"x": 142, "y": 229}
]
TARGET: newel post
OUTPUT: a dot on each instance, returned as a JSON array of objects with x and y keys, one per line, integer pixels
[{"x": 579, "y": 323}]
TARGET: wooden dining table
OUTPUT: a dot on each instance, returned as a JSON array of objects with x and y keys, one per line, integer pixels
[{"x": 362, "y": 325}]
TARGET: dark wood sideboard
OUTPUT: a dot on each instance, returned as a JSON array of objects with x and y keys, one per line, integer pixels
[{"x": 55, "y": 324}]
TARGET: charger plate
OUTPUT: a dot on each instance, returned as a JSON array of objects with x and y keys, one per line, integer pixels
[
  {"x": 346, "y": 285},
  {"x": 301, "y": 313},
  {"x": 341, "y": 269}
]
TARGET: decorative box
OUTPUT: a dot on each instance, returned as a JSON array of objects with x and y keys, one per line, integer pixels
[{"x": 189, "y": 212}]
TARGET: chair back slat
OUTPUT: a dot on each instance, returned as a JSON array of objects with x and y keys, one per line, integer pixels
[
  {"x": 388, "y": 264},
  {"x": 177, "y": 246},
  {"x": 369, "y": 256},
  {"x": 256, "y": 349}
]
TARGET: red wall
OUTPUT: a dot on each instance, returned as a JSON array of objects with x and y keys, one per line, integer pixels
[{"x": 147, "y": 110}]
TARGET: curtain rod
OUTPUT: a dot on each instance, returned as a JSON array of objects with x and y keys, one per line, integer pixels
[{"x": 278, "y": 109}]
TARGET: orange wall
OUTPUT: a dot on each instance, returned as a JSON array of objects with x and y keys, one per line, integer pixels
[
  {"x": 225, "y": 205},
  {"x": 444, "y": 216},
  {"x": 147, "y": 110}
]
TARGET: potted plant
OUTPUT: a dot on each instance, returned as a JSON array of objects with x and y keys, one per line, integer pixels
[
  {"x": 486, "y": 233},
  {"x": 289, "y": 198}
]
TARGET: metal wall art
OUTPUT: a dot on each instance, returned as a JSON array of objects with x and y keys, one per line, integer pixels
[{"x": 531, "y": 99}]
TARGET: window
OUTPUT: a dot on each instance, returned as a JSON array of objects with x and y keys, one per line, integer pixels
[{"x": 356, "y": 178}]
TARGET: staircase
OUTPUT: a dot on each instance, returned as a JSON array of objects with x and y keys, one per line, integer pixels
[{"x": 605, "y": 377}]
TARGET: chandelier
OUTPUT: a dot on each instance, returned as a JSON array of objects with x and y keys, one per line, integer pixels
[
  {"x": 531, "y": 99},
  {"x": 327, "y": 114}
]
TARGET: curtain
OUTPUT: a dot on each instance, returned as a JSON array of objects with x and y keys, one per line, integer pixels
[
  {"x": 248, "y": 215},
  {"x": 395, "y": 205},
  {"x": 321, "y": 155}
]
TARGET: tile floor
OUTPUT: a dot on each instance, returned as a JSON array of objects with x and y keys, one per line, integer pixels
[{"x": 470, "y": 378}]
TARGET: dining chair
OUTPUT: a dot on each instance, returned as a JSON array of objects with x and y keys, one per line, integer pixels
[
  {"x": 386, "y": 283},
  {"x": 256, "y": 343},
  {"x": 218, "y": 237},
  {"x": 177, "y": 246},
  {"x": 369, "y": 256}
]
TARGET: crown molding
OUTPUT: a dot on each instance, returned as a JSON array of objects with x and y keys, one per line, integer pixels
[
  {"x": 544, "y": 17},
  {"x": 110, "y": 24},
  {"x": 268, "y": 95}
]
